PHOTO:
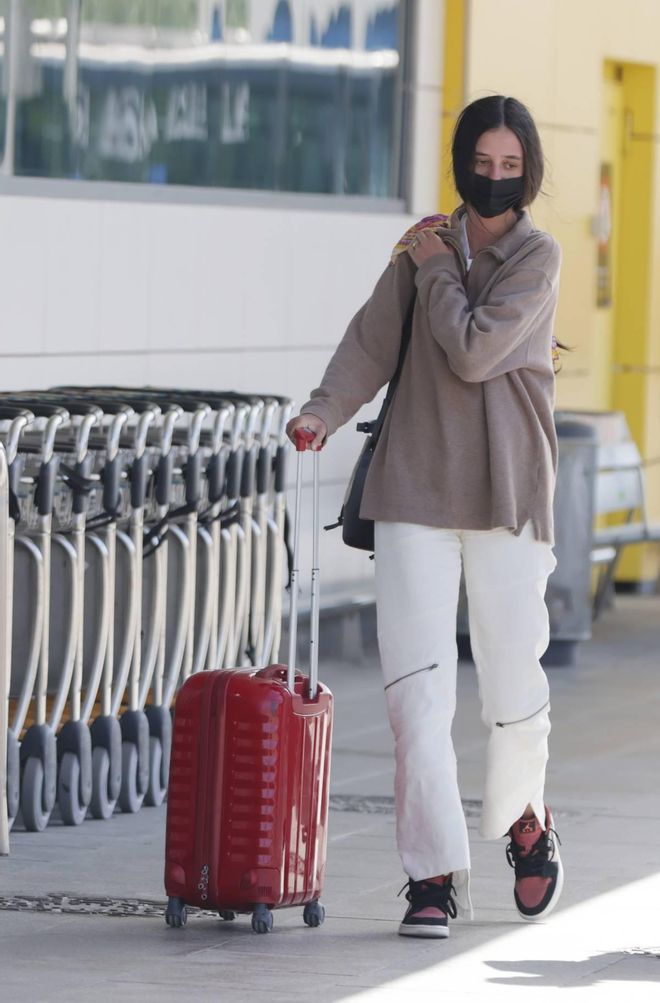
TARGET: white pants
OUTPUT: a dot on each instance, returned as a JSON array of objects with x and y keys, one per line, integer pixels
[{"x": 418, "y": 573}]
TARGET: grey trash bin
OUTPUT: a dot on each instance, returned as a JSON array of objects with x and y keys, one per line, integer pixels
[{"x": 568, "y": 596}]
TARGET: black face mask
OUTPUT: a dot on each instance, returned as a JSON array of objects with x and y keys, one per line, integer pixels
[{"x": 492, "y": 198}]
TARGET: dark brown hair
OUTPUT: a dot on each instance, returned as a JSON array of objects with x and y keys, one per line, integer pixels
[{"x": 492, "y": 113}]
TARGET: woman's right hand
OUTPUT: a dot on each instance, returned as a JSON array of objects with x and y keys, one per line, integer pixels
[{"x": 312, "y": 424}]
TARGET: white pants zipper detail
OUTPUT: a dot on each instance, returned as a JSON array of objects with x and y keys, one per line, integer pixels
[
  {"x": 427, "y": 668},
  {"x": 505, "y": 724}
]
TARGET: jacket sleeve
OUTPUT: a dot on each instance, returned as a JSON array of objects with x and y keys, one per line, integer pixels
[
  {"x": 367, "y": 355},
  {"x": 494, "y": 337}
]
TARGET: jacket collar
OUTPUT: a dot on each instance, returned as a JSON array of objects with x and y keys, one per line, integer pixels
[{"x": 507, "y": 245}]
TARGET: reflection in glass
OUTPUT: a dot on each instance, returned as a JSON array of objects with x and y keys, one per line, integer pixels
[
  {"x": 4, "y": 87},
  {"x": 289, "y": 95}
]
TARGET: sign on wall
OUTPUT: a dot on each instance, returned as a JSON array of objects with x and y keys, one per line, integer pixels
[{"x": 604, "y": 237}]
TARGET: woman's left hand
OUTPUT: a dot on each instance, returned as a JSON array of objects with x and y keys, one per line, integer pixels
[{"x": 425, "y": 244}]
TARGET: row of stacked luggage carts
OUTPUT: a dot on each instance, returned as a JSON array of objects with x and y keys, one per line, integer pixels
[{"x": 146, "y": 542}]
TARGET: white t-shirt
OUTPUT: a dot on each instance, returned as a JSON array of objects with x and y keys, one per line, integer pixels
[{"x": 464, "y": 241}]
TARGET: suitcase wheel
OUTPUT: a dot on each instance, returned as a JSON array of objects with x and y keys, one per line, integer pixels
[
  {"x": 227, "y": 914},
  {"x": 314, "y": 913},
  {"x": 176, "y": 913},
  {"x": 262, "y": 919}
]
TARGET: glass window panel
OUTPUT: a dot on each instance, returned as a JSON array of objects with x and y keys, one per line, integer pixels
[
  {"x": 4, "y": 79},
  {"x": 282, "y": 95}
]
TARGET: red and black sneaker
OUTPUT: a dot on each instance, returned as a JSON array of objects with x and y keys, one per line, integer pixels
[
  {"x": 431, "y": 904},
  {"x": 534, "y": 854}
]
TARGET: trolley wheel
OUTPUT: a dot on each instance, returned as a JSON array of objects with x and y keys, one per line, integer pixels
[
  {"x": 314, "y": 913},
  {"x": 262, "y": 919},
  {"x": 32, "y": 795},
  {"x": 101, "y": 806},
  {"x": 176, "y": 913},
  {"x": 156, "y": 790},
  {"x": 227, "y": 914},
  {"x": 130, "y": 801},
  {"x": 68, "y": 791}
]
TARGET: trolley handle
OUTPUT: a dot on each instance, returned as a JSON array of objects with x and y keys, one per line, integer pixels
[
  {"x": 302, "y": 437},
  {"x": 221, "y": 416}
]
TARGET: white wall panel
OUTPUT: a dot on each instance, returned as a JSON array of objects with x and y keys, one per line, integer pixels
[
  {"x": 220, "y": 299},
  {"x": 23, "y": 275},
  {"x": 70, "y": 280},
  {"x": 121, "y": 289},
  {"x": 174, "y": 279}
]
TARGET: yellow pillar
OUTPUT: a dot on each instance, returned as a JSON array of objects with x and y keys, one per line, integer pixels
[
  {"x": 633, "y": 383},
  {"x": 453, "y": 96}
]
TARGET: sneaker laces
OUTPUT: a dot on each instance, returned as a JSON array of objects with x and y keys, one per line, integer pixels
[
  {"x": 430, "y": 894},
  {"x": 535, "y": 862}
]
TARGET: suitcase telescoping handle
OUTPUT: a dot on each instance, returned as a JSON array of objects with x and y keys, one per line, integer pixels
[{"x": 302, "y": 437}]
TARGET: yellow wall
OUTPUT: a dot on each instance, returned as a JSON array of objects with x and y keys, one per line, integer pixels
[
  {"x": 554, "y": 56},
  {"x": 453, "y": 88}
]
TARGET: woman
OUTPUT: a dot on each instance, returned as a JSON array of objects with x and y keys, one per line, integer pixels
[{"x": 463, "y": 474}]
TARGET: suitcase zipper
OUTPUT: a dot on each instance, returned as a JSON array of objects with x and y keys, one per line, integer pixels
[
  {"x": 505, "y": 724},
  {"x": 203, "y": 880},
  {"x": 427, "y": 668}
]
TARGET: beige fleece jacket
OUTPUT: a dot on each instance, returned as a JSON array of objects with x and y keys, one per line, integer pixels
[{"x": 469, "y": 440}]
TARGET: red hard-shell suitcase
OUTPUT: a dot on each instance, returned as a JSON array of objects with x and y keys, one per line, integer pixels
[{"x": 247, "y": 802}]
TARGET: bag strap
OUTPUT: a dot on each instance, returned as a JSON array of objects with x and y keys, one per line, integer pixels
[
  {"x": 373, "y": 428},
  {"x": 406, "y": 335}
]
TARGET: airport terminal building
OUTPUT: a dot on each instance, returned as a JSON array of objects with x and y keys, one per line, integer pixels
[{"x": 203, "y": 192}]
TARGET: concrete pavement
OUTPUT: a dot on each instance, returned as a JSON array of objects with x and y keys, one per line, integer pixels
[{"x": 81, "y": 909}]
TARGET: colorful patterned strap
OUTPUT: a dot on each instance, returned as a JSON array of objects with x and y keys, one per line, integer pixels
[{"x": 427, "y": 223}]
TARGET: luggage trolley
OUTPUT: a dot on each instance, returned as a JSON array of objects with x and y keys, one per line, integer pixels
[
  {"x": 101, "y": 589},
  {"x": 255, "y": 622},
  {"x": 235, "y": 542},
  {"x": 121, "y": 745},
  {"x": 149, "y": 489},
  {"x": 181, "y": 520},
  {"x": 74, "y": 744},
  {"x": 146, "y": 730},
  {"x": 237, "y": 648},
  {"x": 94, "y": 781},
  {"x": 176, "y": 615},
  {"x": 224, "y": 444},
  {"x": 214, "y": 452},
  {"x": 177, "y": 652},
  {"x": 161, "y": 554},
  {"x": 5, "y": 649},
  {"x": 266, "y": 582},
  {"x": 230, "y": 532},
  {"x": 13, "y": 420},
  {"x": 209, "y": 531},
  {"x": 276, "y": 543},
  {"x": 67, "y": 587},
  {"x": 31, "y": 629},
  {"x": 133, "y": 723}
]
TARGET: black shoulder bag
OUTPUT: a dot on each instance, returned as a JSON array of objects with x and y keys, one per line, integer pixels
[{"x": 357, "y": 532}]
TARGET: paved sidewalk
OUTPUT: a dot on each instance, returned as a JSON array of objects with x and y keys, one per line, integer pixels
[{"x": 81, "y": 909}]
